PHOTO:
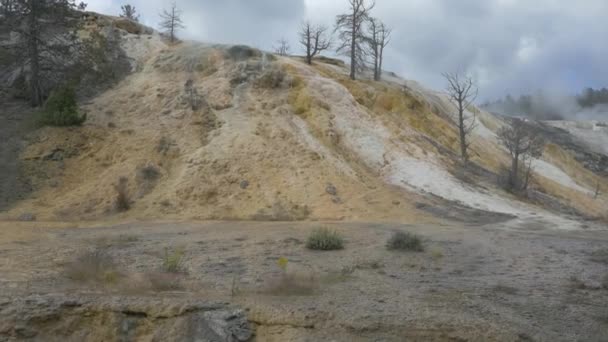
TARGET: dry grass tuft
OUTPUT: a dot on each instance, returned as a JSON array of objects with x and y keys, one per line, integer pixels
[{"x": 173, "y": 260}]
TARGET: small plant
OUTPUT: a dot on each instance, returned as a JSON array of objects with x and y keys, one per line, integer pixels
[
  {"x": 173, "y": 261},
  {"x": 404, "y": 241},
  {"x": 122, "y": 201},
  {"x": 324, "y": 239},
  {"x": 282, "y": 262},
  {"x": 61, "y": 109},
  {"x": 96, "y": 266}
]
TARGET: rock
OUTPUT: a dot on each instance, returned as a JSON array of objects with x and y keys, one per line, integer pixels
[
  {"x": 27, "y": 217},
  {"x": 94, "y": 318},
  {"x": 331, "y": 189},
  {"x": 244, "y": 184}
]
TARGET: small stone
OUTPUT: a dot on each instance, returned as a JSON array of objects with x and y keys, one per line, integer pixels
[
  {"x": 27, "y": 217},
  {"x": 331, "y": 189},
  {"x": 244, "y": 184}
]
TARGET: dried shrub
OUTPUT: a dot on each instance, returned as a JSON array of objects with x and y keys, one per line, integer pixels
[
  {"x": 122, "y": 202},
  {"x": 290, "y": 283},
  {"x": 404, "y": 241},
  {"x": 96, "y": 266},
  {"x": 272, "y": 78},
  {"x": 149, "y": 173},
  {"x": 324, "y": 239}
]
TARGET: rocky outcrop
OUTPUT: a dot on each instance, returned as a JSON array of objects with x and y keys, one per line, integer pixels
[{"x": 107, "y": 318}]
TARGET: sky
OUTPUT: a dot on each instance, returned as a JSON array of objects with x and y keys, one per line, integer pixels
[{"x": 508, "y": 46}]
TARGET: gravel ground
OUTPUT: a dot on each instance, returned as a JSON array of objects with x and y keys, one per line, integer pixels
[{"x": 501, "y": 282}]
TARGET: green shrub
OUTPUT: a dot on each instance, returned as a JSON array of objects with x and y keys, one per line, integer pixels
[
  {"x": 404, "y": 241},
  {"x": 61, "y": 109},
  {"x": 324, "y": 239}
]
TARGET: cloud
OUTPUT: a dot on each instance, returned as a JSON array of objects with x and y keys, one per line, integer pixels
[{"x": 511, "y": 46}]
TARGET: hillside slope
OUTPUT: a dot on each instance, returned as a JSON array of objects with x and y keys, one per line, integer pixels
[{"x": 202, "y": 131}]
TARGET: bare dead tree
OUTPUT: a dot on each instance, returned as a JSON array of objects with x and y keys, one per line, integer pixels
[
  {"x": 129, "y": 12},
  {"x": 171, "y": 21},
  {"x": 314, "y": 40},
  {"x": 385, "y": 39},
  {"x": 523, "y": 144},
  {"x": 462, "y": 91},
  {"x": 282, "y": 48},
  {"x": 378, "y": 38},
  {"x": 351, "y": 35}
]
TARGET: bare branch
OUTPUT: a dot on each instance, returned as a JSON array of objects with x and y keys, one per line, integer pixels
[
  {"x": 523, "y": 144},
  {"x": 282, "y": 48},
  {"x": 314, "y": 40},
  {"x": 171, "y": 22},
  {"x": 462, "y": 91}
]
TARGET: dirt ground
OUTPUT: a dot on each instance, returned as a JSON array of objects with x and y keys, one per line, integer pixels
[{"x": 505, "y": 281}]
